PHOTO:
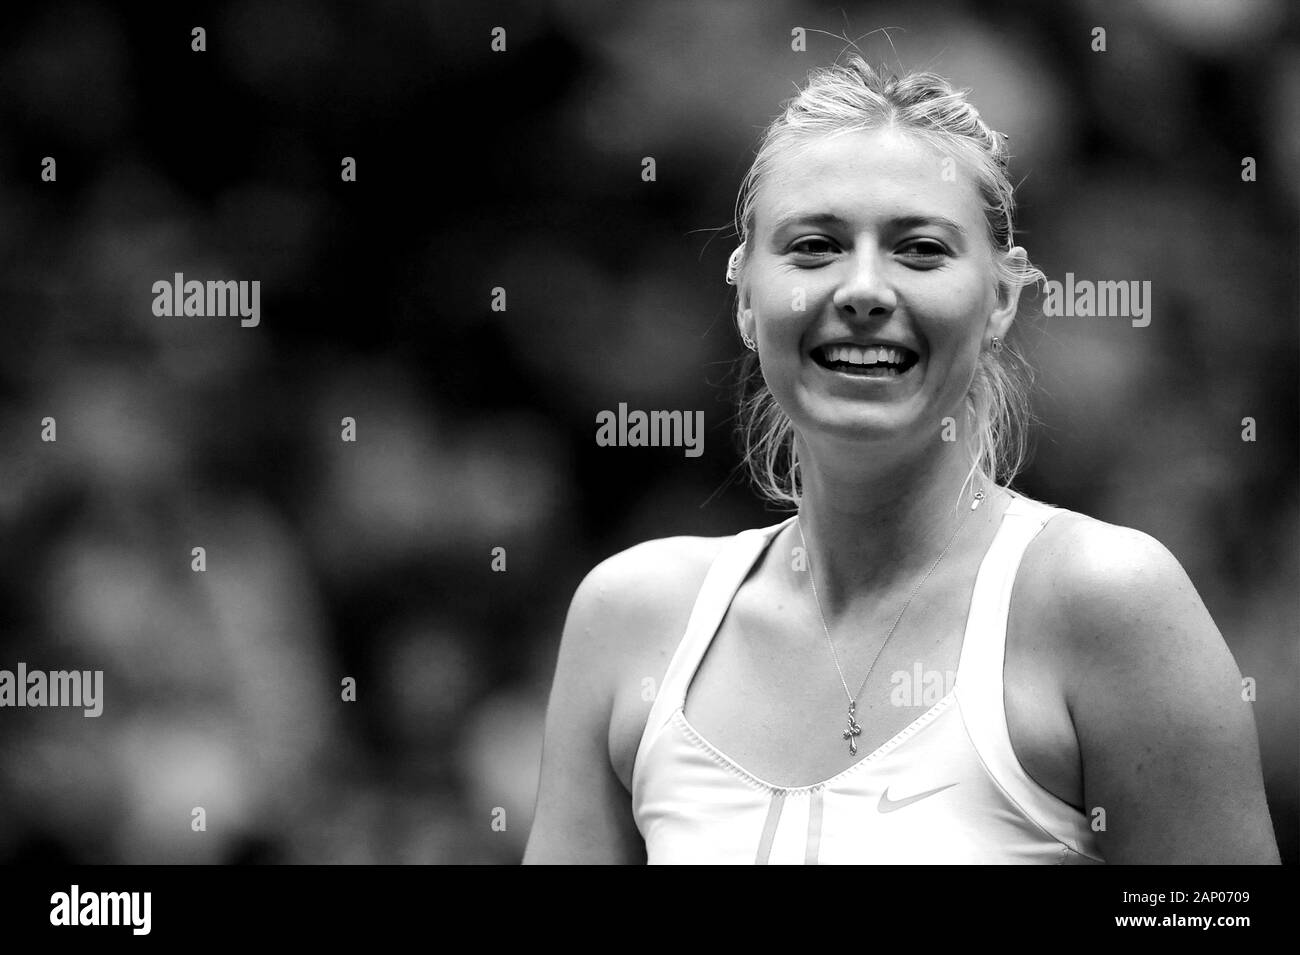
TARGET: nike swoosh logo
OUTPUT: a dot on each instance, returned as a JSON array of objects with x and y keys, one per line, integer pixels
[{"x": 889, "y": 805}]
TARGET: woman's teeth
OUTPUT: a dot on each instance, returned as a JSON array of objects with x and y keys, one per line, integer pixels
[
  {"x": 864, "y": 356},
  {"x": 873, "y": 360}
]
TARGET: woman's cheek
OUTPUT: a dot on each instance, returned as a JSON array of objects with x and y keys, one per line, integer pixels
[
  {"x": 775, "y": 316},
  {"x": 776, "y": 296},
  {"x": 792, "y": 302}
]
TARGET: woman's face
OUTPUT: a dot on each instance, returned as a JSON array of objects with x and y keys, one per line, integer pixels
[{"x": 870, "y": 286}]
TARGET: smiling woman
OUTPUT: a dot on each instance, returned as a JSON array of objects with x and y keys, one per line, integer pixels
[{"x": 1095, "y": 714}]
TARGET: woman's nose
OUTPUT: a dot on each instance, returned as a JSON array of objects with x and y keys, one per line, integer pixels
[{"x": 864, "y": 288}]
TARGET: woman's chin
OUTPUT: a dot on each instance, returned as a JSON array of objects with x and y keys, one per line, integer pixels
[
  {"x": 873, "y": 425},
  {"x": 869, "y": 408}
]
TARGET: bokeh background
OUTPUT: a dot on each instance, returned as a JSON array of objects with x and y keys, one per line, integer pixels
[{"x": 522, "y": 170}]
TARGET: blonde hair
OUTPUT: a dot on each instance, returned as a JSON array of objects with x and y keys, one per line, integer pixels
[{"x": 848, "y": 97}]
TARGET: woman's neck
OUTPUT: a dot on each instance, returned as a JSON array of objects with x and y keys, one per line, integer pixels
[{"x": 867, "y": 531}]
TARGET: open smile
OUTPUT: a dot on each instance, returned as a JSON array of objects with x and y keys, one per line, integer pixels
[{"x": 874, "y": 360}]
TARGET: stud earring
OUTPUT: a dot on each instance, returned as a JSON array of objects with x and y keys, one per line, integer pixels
[
  {"x": 996, "y": 344},
  {"x": 749, "y": 342}
]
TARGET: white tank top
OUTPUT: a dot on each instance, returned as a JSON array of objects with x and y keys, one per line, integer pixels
[{"x": 946, "y": 789}]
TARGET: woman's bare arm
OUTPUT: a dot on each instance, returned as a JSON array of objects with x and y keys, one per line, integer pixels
[
  {"x": 584, "y": 815},
  {"x": 624, "y": 623},
  {"x": 1167, "y": 743}
]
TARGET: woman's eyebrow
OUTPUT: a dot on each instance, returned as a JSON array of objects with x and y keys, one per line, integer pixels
[
  {"x": 809, "y": 218},
  {"x": 897, "y": 223},
  {"x": 919, "y": 222}
]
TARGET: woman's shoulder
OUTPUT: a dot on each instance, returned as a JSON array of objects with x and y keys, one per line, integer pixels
[
  {"x": 649, "y": 568},
  {"x": 1082, "y": 556},
  {"x": 620, "y": 622},
  {"x": 630, "y": 611},
  {"x": 625, "y": 622},
  {"x": 1155, "y": 701},
  {"x": 647, "y": 588},
  {"x": 1098, "y": 585}
]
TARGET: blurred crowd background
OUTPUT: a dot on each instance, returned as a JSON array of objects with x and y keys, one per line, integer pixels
[{"x": 522, "y": 170}]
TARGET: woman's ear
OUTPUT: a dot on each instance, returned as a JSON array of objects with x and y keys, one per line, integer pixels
[
  {"x": 733, "y": 264},
  {"x": 1014, "y": 261},
  {"x": 745, "y": 322}
]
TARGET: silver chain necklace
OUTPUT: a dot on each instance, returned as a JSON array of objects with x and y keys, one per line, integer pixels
[{"x": 854, "y": 730}]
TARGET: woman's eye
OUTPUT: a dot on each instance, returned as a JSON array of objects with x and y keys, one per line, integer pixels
[
  {"x": 813, "y": 246},
  {"x": 924, "y": 249}
]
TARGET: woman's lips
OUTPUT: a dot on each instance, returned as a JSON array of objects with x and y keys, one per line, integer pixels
[{"x": 875, "y": 360}]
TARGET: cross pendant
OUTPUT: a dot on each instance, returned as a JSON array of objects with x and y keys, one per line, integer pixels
[{"x": 853, "y": 731}]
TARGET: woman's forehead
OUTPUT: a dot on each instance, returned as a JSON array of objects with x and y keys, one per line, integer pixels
[{"x": 866, "y": 174}]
